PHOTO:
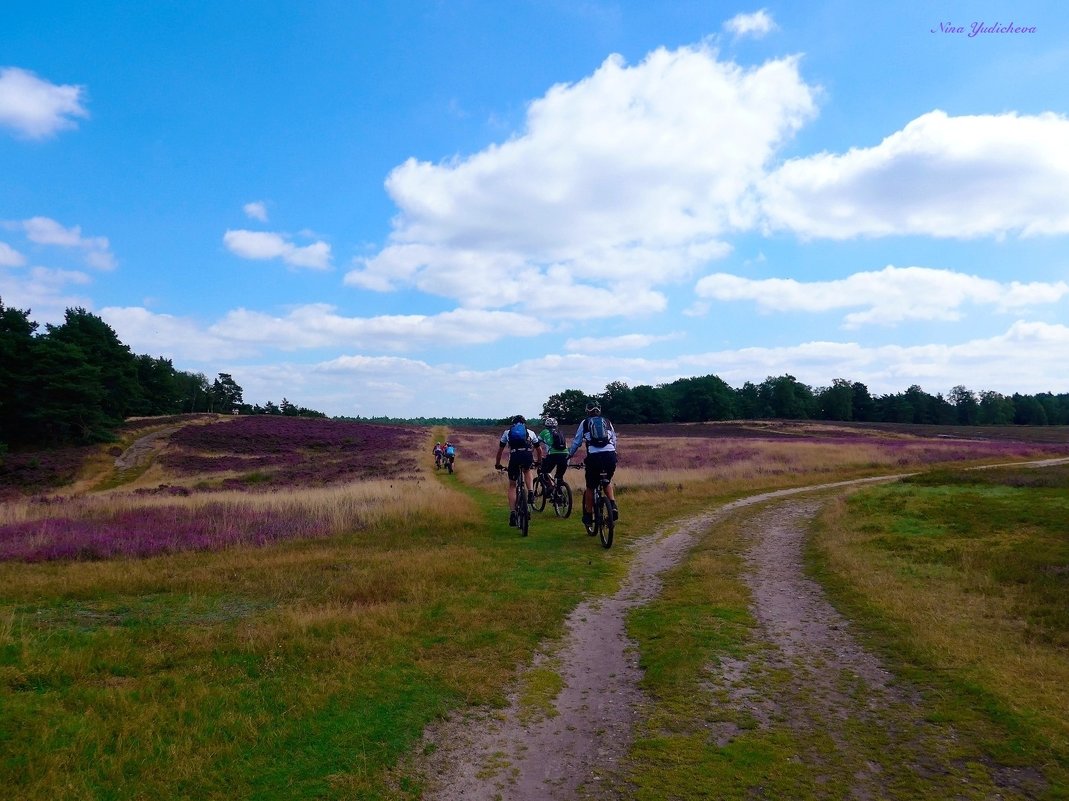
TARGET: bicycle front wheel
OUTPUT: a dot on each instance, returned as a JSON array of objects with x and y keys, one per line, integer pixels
[
  {"x": 562, "y": 500},
  {"x": 539, "y": 494},
  {"x": 607, "y": 527}
]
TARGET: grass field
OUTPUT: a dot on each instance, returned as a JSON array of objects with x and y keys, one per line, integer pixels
[{"x": 307, "y": 665}]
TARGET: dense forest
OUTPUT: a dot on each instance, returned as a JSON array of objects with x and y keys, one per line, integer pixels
[
  {"x": 708, "y": 397},
  {"x": 76, "y": 382}
]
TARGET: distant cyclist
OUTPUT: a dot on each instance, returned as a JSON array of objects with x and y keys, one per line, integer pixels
[
  {"x": 449, "y": 453},
  {"x": 597, "y": 433},
  {"x": 523, "y": 453},
  {"x": 439, "y": 452},
  {"x": 554, "y": 450}
]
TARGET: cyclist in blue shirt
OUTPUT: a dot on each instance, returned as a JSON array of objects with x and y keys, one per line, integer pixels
[{"x": 524, "y": 452}]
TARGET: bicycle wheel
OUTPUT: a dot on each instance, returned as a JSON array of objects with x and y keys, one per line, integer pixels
[
  {"x": 523, "y": 510},
  {"x": 539, "y": 495},
  {"x": 562, "y": 499},
  {"x": 608, "y": 525}
]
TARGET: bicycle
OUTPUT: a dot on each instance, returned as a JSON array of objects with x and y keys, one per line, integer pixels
[
  {"x": 449, "y": 463},
  {"x": 556, "y": 492},
  {"x": 523, "y": 504},
  {"x": 604, "y": 524}
]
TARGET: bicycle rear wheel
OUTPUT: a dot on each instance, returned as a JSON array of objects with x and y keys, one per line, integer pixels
[
  {"x": 608, "y": 526},
  {"x": 539, "y": 493},
  {"x": 523, "y": 510},
  {"x": 562, "y": 499}
]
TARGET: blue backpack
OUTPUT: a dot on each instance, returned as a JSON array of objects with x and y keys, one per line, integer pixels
[{"x": 518, "y": 436}]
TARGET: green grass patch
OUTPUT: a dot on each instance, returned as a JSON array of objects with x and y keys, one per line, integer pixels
[
  {"x": 960, "y": 580},
  {"x": 305, "y": 670}
]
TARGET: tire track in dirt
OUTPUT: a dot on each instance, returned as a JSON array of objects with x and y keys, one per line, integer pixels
[{"x": 511, "y": 755}]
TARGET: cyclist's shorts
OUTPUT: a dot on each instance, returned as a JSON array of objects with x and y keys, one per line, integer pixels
[
  {"x": 555, "y": 461},
  {"x": 596, "y": 464},
  {"x": 517, "y": 461}
]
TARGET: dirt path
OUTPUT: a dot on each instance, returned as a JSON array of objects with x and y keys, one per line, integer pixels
[
  {"x": 835, "y": 685},
  {"x": 569, "y": 753},
  {"x": 143, "y": 449}
]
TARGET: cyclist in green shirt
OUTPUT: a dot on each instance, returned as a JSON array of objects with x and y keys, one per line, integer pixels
[{"x": 554, "y": 450}]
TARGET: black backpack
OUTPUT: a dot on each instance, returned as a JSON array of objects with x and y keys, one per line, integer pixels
[{"x": 558, "y": 440}]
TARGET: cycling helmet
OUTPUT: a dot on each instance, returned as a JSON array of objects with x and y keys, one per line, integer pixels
[
  {"x": 550, "y": 422},
  {"x": 593, "y": 408},
  {"x": 519, "y": 419}
]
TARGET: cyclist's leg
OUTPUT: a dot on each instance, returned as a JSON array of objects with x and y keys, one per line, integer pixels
[
  {"x": 608, "y": 464},
  {"x": 514, "y": 476},
  {"x": 524, "y": 461}
]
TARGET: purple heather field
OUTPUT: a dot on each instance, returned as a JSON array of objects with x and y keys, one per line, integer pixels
[
  {"x": 270, "y": 453},
  {"x": 275, "y": 454}
]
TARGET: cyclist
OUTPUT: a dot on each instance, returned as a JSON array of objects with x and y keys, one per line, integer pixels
[
  {"x": 439, "y": 452},
  {"x": 554, "y": 452},
  {"x": 597, "y": 433},
  {"x": 524, "y": 451},
  {"x": 449, "y": 452}
]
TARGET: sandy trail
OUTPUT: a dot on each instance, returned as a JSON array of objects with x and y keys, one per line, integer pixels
[{"x": 143, "y": 449}]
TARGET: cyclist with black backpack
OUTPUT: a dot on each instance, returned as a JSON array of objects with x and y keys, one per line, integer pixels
[
  {"x": 597, "y": 433},
  {"x": 554, "y": 450},
  {"x": 524, "y": 452}
]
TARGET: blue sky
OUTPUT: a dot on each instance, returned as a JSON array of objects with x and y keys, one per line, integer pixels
[{"x": 460, "y": 208}]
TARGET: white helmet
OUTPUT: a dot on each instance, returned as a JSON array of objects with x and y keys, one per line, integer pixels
[{"x": 550, "y": 422}]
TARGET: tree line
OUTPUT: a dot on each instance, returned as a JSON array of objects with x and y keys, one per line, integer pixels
[
  {"x": 706, "y": 398},
  {"x": 76, "y": 382}
]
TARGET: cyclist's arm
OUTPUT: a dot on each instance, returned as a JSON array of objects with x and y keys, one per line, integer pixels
[
  {"x": 577, "y": 442},
  {"x": 500, "y": 450}
]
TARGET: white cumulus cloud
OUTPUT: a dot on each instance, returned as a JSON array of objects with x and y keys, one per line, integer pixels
[
  {"x": 757, "y": 24},
  {"x": 46, "y": 292},
  {"x": 616, "y": 344},
  {"x": 940, "y": 176},
  {"x": 46, "y": 231},
  {"x": 36, "y": 108},
  {"x": 245, "y": 332},
  {"x": 1028, "y": 357},
  {"x": 256, "y": 210},
  {"x": 888, "y": 296},
  {"x": 264, "y": 245},
  {"x": 9, "y": 257},
  {"x": 626, "y": 180}
]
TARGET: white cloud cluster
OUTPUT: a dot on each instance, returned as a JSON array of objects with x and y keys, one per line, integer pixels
[
  {"x": 623, "y": 181},
  {"x": 256, "y": 210},
  {"x": 940, "y": 176},
  {"x": 45, "y": 291},
  {"x": 888, "y": 296},
  {"x": 265, "y": 245},
  {"x": 46, "y": 231},
  {"x": 9, "y": 257},
  {"x": 244, "y": 332},
  {"x": 616, "y": 344},
  {"x": 1027, "y": 357},
  {"x": 757, "y": 24},
  {"x": 36, "y": 108}
]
